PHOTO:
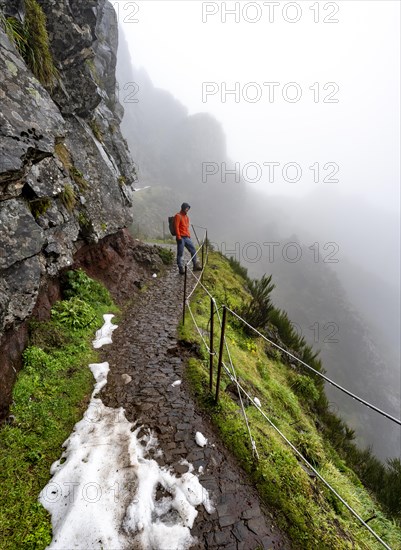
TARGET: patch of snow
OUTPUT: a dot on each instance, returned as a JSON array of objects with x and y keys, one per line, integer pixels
[
  {"x": 103, "y": 335},
  {"x": 100, "y": 372},
  {"x": 176, "y": 383},
  {"x": 200, "y": 470},
  {"x": 103, "y": 491},
  {"x": 200, "y": 439},
  {"x": 165, "y": 523}
]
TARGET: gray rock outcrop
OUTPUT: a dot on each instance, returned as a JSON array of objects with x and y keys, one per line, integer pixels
[{"x": 66, "y": 176}]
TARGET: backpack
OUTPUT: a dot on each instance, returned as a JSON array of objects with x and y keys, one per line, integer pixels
[{"x": 171, "y": 225}]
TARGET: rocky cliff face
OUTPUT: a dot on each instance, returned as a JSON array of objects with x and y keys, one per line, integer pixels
[{"x": 65, "y": 171}]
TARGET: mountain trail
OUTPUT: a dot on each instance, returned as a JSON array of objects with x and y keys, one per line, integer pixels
[{"x": 145, "y": 360}]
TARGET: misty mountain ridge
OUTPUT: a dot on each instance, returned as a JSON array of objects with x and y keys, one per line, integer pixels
[
  {"x": 171, "y": 147},
  {"x": 351, "y": 221}
]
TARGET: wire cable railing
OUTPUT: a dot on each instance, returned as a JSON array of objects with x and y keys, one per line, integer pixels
[
  {"x": 232, "y": 376},
  {"x": 300, "y": 455},
  {"x": 316, "y": 372},
  {"x": 326, "y": 378},
  {"x": 198, "y": 329}
]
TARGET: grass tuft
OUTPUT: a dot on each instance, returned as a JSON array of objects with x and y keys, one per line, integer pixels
[
  {"x": 38, "y": 207},
  {"x": 38, "y": 55},
  {"x": 94, "y": 126},
  {"x": 68, "y": 197},
  {"x": 65, "y": 157},
  {"x": 32, "y": 41},
  {"x": 166, "y": 255}
]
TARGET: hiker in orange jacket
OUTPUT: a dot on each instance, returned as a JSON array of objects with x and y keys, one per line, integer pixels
[{"x": 183, "y": 238}]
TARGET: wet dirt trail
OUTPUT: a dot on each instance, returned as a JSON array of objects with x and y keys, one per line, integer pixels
[{"x": 145, "y": 348}]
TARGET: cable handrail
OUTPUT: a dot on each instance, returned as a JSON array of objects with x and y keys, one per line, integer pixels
[
  {"x": 202, "y": 285},
  {"x": 199, "y": 226},
  {"x": 354, "y": 396},
  {"x": 354, "y": 513},
  {"x": 326, "y": 378},
  {"x": 253, "y": 444},
  {"x": 232, "y": 376},
  {"x": 198, "y": 328}
]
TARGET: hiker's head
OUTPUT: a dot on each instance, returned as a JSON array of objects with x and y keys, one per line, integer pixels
[{"x": 185, "y": 207}]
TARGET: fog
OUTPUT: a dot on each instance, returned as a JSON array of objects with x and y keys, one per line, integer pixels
[
  {"x": 359, "y": 54},
  {"x": 305, "y": 149}
]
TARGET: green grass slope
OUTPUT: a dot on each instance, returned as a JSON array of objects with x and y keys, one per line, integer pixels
[
  {"x": 49, "y": 397},
  {"x": 306, "y": 509}
]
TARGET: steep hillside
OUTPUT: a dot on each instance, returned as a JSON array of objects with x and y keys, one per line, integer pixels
[{"x": 282, "y": 396}]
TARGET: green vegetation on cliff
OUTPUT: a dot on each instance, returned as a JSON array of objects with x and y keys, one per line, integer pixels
[
  {"x": 32, "y": 41},
  {"x": 49, "y": 397},
  {"x": 295, "y": 402},
  {"x": 65, "y": 157}
]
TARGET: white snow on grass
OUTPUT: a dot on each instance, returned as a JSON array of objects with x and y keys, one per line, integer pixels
[
  {"x": 107, "y": 491},
  {"x": 103, "y": 335},
  {"x": 100, "y": 372}
]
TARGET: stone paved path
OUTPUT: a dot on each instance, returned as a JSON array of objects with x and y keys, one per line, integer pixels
[{"x": 145, "y": 347}]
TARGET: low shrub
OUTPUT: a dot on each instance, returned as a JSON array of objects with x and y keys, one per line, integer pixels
[{"x": 74, "y": 313}]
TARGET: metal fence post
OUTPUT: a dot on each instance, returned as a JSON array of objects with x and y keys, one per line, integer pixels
[
  {"x": 211, "y": 344},
  {"x": 201, "y": 275},
  {"x": 223, "y": 328},
  {"x": 185, "y": 295},
  {"x": 193, "y": 229}
]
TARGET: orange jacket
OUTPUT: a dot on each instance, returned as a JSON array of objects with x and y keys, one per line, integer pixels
[{"x": 181, "y": 222}]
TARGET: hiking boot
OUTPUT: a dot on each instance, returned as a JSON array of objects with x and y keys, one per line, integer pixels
[
  {"x": 197, "y": 267},
  {"x": 181, "y": 271}
]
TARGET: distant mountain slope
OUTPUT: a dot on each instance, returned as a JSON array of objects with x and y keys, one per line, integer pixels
[{"x": 172, "y": 148}]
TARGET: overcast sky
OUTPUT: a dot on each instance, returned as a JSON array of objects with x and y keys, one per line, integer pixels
[{"x": 352, "y": 123}]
